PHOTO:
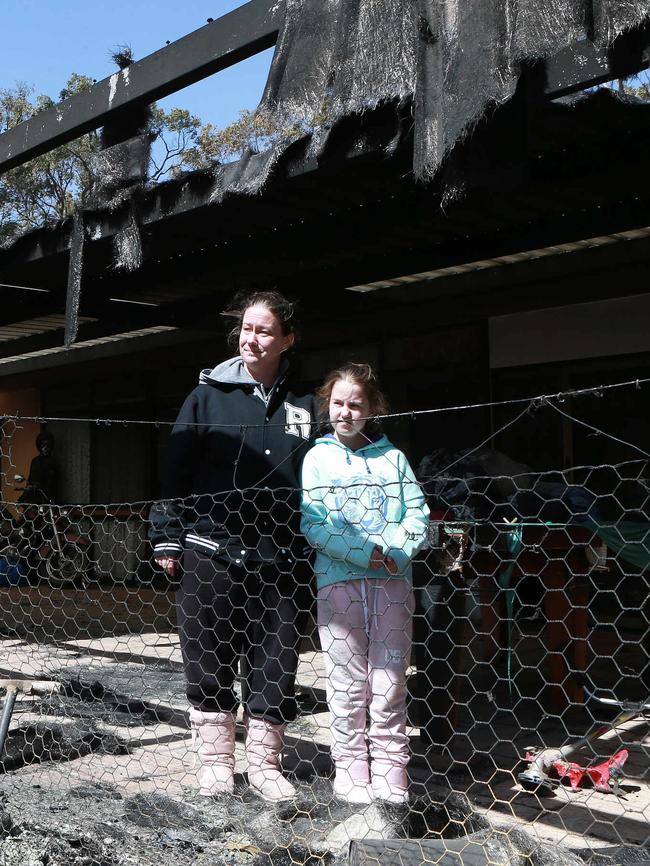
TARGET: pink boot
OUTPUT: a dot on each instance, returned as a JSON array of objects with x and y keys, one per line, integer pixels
[
  {"x": 389, "y": 782},
  {"x": 264, "y": 742},
  {"x": 352, "y": 782},
  {"x": 214, "y": 737}
]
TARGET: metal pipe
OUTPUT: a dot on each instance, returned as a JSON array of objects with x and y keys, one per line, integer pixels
[{"x": 5, "y": 719}]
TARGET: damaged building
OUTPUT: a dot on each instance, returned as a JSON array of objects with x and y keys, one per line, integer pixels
[{"x": 461, "y": 200}]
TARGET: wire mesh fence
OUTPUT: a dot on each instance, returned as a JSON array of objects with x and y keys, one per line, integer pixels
[{"x": 453, "y": 669}]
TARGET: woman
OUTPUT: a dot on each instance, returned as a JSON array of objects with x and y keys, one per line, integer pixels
[
  {"x": 366, "y": 516},
  {"x": 234, "y": 458}
]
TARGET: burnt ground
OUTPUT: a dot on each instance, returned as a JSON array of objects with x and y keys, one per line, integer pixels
[
  {"x": 101, "y": 773},
  {"x": 48, "y": 817},
  {"x": 96, "y": 825},
  {"x": 47, "y": 820}
]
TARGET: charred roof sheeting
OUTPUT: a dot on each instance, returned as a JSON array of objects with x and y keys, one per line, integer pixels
[
  {"x": 613, "y": 17},
  {"x": 339, "y": 57},
  {"x": 408, "y": 78}
]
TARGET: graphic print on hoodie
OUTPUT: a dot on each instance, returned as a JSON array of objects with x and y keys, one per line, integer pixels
[
  {"x": 361, "y": 502},
  {"x": 353, "y": 501}
]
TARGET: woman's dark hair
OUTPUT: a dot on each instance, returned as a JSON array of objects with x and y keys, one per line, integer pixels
[
  {"x": 358, "y": 374},
  {"x": 284, "y": 310}
]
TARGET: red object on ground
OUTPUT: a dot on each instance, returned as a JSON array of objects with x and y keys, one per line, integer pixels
[{"x": 599, "y": 776}]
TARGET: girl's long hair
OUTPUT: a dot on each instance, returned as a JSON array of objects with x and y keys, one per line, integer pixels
[{"x": 357, "y": 374}]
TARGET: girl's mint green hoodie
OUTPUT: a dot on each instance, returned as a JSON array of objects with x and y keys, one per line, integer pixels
[{"x": 353, "y": 501}]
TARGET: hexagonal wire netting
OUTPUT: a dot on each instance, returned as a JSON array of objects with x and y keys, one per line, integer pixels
[{"x": 512, "y": 678}]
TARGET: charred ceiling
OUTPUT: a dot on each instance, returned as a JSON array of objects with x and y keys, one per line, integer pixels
[{"x": 383, "y": 177}]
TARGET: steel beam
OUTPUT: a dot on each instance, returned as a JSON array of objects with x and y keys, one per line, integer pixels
[
  {"x": 87, "y": 331},
  {"x": 80, "y": 353},
  {"x": 224, "y": 42}
]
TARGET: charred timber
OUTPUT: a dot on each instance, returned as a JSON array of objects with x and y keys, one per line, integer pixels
[
  {"x": 242, "y": 33},
  {"x": 224, "y": 42},
  {"x": 583, "y": 65}
]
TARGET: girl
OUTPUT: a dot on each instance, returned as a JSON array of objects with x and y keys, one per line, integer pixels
[
  {"x": 233, "y": 461},
  {"x": 366, "y": 516}
]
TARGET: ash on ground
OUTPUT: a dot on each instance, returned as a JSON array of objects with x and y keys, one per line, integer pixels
[{"x": 96, "y": 825}]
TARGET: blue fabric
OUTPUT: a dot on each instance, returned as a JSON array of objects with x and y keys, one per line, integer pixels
[{"x": 12, "y": 574}]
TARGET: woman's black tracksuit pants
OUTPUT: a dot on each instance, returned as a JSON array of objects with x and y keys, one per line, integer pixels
[{"x": 252, "y": 617}]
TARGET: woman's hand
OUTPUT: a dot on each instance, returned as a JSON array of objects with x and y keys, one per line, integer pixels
[{"x": 168, "y": 564}]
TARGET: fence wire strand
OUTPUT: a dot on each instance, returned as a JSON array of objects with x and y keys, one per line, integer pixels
[
  {"x": 470, "y": 639},
  {"x": 538, "y": 400}
]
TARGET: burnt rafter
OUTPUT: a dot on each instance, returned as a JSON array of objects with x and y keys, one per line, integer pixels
[
  {"x": 245, "y": 32},
  {"x": 224, "y": 42},
  {"x": 583, "y": 65},
  {"x": 373, "y": 143}
]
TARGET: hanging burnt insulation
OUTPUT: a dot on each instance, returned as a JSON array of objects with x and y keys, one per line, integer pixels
[
  {"x": 75, "y": 269},
  {"x": 125, "y": 141},
  {"x": 128, "y": 243},
  {"x": 121, "y": 171},
  {"x": 455, "y": 59},
  {"x": 336, "y": 58},
  {"x": 613, "y": 17},
  {"x": 439, "y": 65},
  {"x": 121, "y": 166},
  {"x": 248, "y": 175}
]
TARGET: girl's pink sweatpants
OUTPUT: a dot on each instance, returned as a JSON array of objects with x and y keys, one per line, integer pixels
[{"x": 365, "y": 629}]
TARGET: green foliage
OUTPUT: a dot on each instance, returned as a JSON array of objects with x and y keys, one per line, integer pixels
[
  {"x": 76, "y": 84},
  {"x": 50, "y": 187},
  {"x": 176, "y": 133},
  {"x": 254, "y": 131},
  {"x": 184, "y": 143},
  {"x": 637, "y": 86}
]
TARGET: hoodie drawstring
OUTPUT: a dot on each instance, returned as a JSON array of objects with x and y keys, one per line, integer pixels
[
  {"x": 364, "y": 600},
  {"x": 363, "y": 457}
]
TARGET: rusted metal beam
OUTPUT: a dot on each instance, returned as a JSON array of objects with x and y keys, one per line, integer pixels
[{"x": 245, "y": 31}]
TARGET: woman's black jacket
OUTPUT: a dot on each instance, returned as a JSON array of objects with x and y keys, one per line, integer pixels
[{"x": 233, "y": 469}]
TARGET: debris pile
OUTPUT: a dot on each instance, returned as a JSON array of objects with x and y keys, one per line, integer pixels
[{"x": 96, "y": 825}]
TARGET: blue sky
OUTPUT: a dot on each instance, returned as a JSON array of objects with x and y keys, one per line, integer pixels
[{"x": 45, "y": 40}]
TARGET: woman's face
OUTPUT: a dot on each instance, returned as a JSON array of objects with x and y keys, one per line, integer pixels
[
  {"x": 261, "y": 341},
  {"x": 348, "y": 408}
]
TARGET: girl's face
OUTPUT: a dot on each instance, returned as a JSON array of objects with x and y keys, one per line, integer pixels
[
  {"x": 261, "y": 341},
  {"x": 348, "y": 408}
]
